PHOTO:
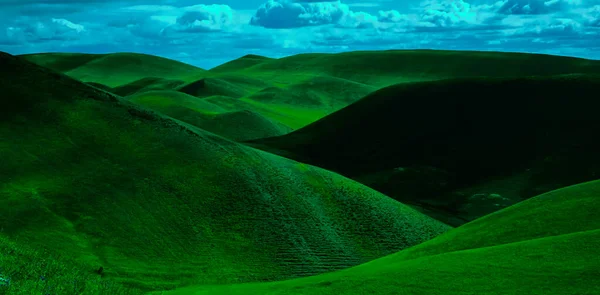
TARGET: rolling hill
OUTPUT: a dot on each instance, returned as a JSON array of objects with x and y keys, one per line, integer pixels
[
  {"x": 237, "y": 124},
  {"x": 298, "y": 90},
  {"x": 422, "y": 143},
  {"x": 115, "y": 69},
  {"x": 544, "y": 245},
  {"x": 161, "y": 204}
]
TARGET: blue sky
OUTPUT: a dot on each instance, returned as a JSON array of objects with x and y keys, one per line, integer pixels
[{"x": 208, "y": 33}]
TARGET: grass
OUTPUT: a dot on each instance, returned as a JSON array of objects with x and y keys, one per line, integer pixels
[
  {"x": 166, "y": 204},
  {"x": 162, "y": 204},
  {"x": 29, "y": 271},
  {"x": 444, "y": 136},
  {"x": 545, "y": 245}
]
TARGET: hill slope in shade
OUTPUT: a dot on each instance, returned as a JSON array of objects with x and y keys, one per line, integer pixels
[
  {"x": 115, "y": 69},
  {"x": 161, "y": 204},
  {"x": 540, "y": 246},
  {"x": 237, "y": 125},
  {"x": 384, "y": 68},
  {"x": 432, "y": 139}
]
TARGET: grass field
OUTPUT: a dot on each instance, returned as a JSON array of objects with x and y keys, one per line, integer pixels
[
  {"x": 161, "y": 204},
  {"x": 133, "y": 174}
]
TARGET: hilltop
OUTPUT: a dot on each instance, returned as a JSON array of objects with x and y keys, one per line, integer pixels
[
  {"x": 428, "y": 143},
  {"x": 115, "y": 69},
  {"x": 159, "y": 203}
]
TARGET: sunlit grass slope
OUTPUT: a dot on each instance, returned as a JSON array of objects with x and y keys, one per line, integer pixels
[
  {"x": 440, "y": 136},
  {"x": 544, "y": 245},
  {"x": 115, "y": 69},
  {"x": 384, "y": 68},
  {"x": 161, "y": 204},
  {"x": 237, "y": 124}
]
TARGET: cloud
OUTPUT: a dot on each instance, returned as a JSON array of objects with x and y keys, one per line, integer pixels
[
  {"x": 592, "y": 16},
  {"x": 535, "y": 6},
  {"x": 553, "y": 28},
  {"x": 203, "y": 18},
  {"x": 39, "y": 30},
  {"x": 279, "y": 14},
  {"x": 449, "y": 13}
]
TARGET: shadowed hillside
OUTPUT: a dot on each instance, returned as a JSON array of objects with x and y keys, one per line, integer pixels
[
  {"x": 160, "y": 204},
  {"x": 422, "y": 143},
  {"x": 544, "y": 245},
  {"x": 116, "y": 69},
  {"x": 211, "y": 86}
]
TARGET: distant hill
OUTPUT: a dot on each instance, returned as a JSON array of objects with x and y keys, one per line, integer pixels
[
  {"x": 424, "y": 142},
  {"x": 115, "y": 69},
  {"x": 160, "y": 204},
  {"x": 384, "y": 68},
  {"x": 544, "y": 244}
]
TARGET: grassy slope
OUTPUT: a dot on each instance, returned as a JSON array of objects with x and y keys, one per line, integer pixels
[
  {"x": 545, "y": 245},
  {"x": 161, "y": 204},
  {"x": 100, "y": 68},
  {"x": 237, "y": 124},
  {"x": 452, "y": 125}
]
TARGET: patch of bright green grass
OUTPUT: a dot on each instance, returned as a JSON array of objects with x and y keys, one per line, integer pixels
[{"x": 237, "y": 125}]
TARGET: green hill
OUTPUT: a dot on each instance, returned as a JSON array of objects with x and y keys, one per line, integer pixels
[
  {"x": 433, "y": 139},
  {"x": 384, "y": 68},
  {"x": 116, "y": 69},
  {"x": 243, "y": 62},
  {"x": 160, "y": 204},
  {"x": 544, "y": 245},
  {"x": 239, "y": 124}
]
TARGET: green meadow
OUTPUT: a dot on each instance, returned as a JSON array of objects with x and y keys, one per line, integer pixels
[{"x": 381, "y": 172}]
